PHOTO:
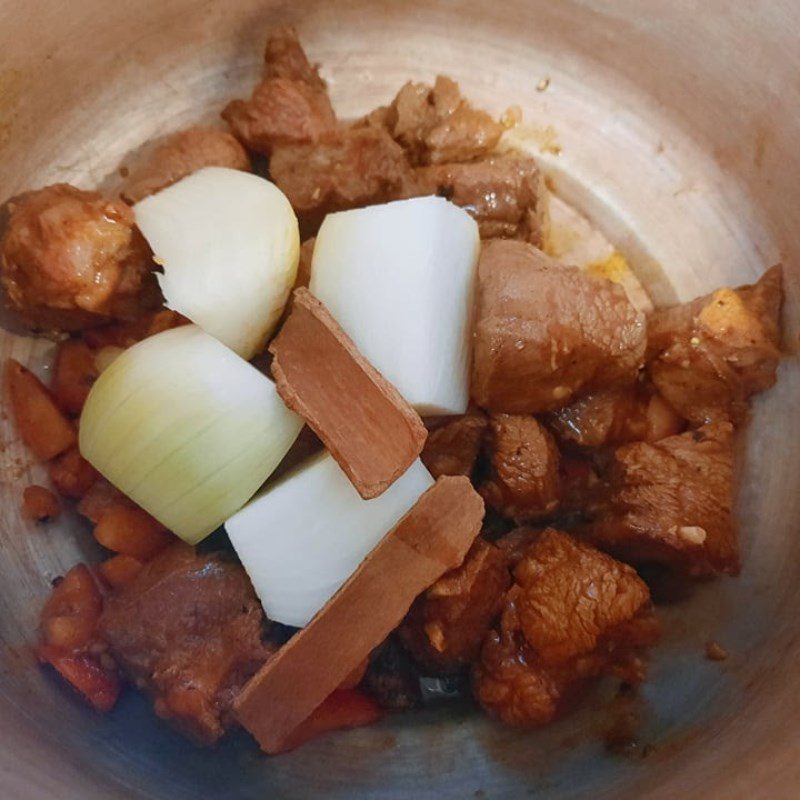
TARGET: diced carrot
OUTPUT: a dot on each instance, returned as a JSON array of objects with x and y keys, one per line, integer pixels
[
  {"x": 42, "y": 426},
  {"x": 99, "y": 498},
  {"x": 39, "y": 504},
  {"x": 131, "y": 531},
  {"x": 356, "y": 676},
  {"x": 84, "y": 672},
  {"x": 74, "y": 374},
  {"x": 345, "y": 708},
  {"x": 72, "y": 475},
  {"x": 120, "y": 570},
  {"x": 76, "y": 597}
]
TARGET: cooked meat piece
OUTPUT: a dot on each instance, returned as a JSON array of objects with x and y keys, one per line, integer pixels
[
  {"x": 670, "y": 502},
  {"x": 447, "y": 624},
  {"x": 523, "y": 483},
  {"x": 581, "y": 487},
  {"x": 180, "y": 155},
  {"x": 546, "y": 334},
  {"x": 71, "y": 259},
  {"x": 569, "y": 596},
  {"x": 506, "y": 194},
  {"x": 516, "y": 542},
  {"x": 572, "y": 614},
  {"x": 356, "y": 167},
  {"x": 284, "y": 57},
  {"x": 188, "y": 630},
  {"x": 289, "y": 106},
  {"x": 392, "y": 678},
  {"x": 436, "y": 125},
  {"x": 709, "y": 356},
  {"x": 452, "y": 448},
  {"x": 617, "y": 415}
]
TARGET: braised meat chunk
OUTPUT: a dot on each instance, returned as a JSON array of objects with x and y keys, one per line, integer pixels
[
  {"x": 709, "y": 356},
  {"x": 355, "y": 167},
  {"x": 505, "y": 193},
  {"x": 447, "y": 624},
  {"x": 188, "y": 630},
  {"x": 182, "y": 154},
  {"x": 615, "y": 416},
  {"x": 523, "y": 483},
  {"x": 290, "y": 105},
  {"x": 572, "y": 614},
  {"x": 670, "y": 502},
  {"x": 546, "y": 334},
  {"x": 452, "y": 447},
  {"x": 436, "y": 125},
  {"x": 71, "y": 259}
]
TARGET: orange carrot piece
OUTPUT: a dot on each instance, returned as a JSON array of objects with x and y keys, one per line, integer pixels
[
  {"x": 131, "y": 531},
  {"x": 77, "y": 598},
  {"x": 39, "y": 504},
  {"x": 120, "y": 570},
  {"x": 345, "y": 708},
  {"x": 83, "y": 671},
  {"x": 74, "y": 374},
  {"x": 72, "y": 475},
  {"x": 42, "y": 426},
  {"x": 99, "y": 499}
]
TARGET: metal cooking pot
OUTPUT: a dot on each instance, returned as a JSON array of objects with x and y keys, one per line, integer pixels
[{"x": 678, "y": 133}]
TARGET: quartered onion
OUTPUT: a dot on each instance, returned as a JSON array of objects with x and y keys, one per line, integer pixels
[
  {"x": 304, "y": 536},
  {"x": 186, "y": 428},
  {"x": 399, "y": 278},
  {"x": 229, "y": 245}
]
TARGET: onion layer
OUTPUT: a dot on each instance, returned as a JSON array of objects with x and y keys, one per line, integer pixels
[
  {"x": 229, "y": 245},
  {"x": 186, "y": 429}
]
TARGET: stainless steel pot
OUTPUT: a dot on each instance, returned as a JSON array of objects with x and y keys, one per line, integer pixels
[{"x": 679, "y": 134}]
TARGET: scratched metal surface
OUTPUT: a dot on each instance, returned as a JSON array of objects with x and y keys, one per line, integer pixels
[{"x": 678, "y": 136}]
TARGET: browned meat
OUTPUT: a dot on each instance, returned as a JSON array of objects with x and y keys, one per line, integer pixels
[
  {"x": 188, "y": 630},
  {"x": 290, "y": 105},
  {"x": 182, "y": 154},
  {"x": 452, "y": 448},
  {"x": 546, "y": 334},
  {"x": 356, "y": 167},
  {"x": 284, "y": 57},
  {"x": 615, "y": 416},
  {"x": 446, "y": 625},
  {"x": 72, "y": 258},
  {"x": 304, "y": 265},
  {"x": 515, "y": 544},
  {"x": 436, "y": 125},
  {"x": 505, "y": 194},
  {"x": 670, "y": 502},
  {"x": 709, "y": 356},
  {"x": 523, "y": 483},
  {"x": 573, "y": 613}
]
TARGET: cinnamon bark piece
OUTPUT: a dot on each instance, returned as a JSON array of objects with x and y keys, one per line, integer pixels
[
  {"x": 367, "y": 426},
  {"x": 432, "y": 538}
]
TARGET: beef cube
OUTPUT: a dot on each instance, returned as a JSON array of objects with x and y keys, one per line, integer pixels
[
  {"x": 670, "y": 502},
  {"x": 356, "y": 167},
  {"x": 523, "y": 482},
  {"x": 70, "y": 259},
  {"x": 436, "y": 125},
  {"x": 546, "y": 334},
  {"x": 572, "y": 614},
  {"x": 617, "y": 415},
  {"x": 180, "y": 155},
  {"x": 505, "y": 193},
  {"x": 392, "y": 678},
  {"x": 452, "y": 447},
  {"x": 447, "y": 624},
  {"x": 188, "y": 630},
  {"x": 289, "y": 106},
  {"x": 709, "y": 356}
]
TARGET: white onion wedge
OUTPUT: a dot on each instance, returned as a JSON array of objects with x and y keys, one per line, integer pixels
[
  {"x": 186, "y": 429},
  {"x": 303, "y": 537},
  {"x": 229, "y": 245},
  {"x": 399, "y": 278}
]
